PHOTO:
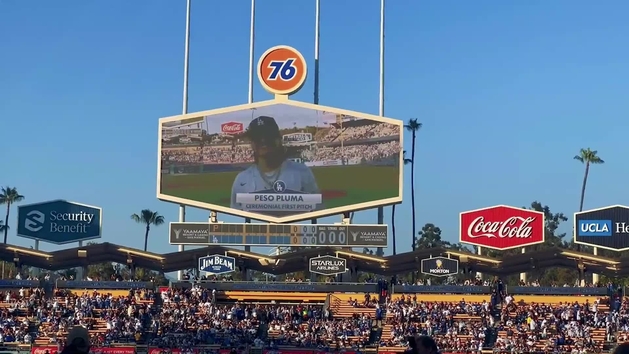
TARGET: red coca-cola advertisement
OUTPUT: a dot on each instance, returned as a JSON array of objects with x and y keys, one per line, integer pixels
[
  {"x": 501, "y": 227},
  {"x": 45, "y": 350},
  {"x": 232, "y": 128},
  {"x": 53, "y": 349}
]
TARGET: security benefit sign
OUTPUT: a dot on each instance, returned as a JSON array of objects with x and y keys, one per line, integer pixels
[
  {"x": 217, "y": 264},
  {"x": 606, "y": 228},
  {"x": 59, "y": 221},
  {"x": 328, "y": 265},
  {"x": 440, "y": 266}
]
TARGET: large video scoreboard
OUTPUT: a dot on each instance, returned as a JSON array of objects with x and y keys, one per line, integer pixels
[{"x": 293, "y": 235}]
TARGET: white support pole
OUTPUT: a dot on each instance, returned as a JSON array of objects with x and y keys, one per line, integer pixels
[
  {"x": 252, "y": 40},
  {"x": 79, "y": 270},
  {"x": 480, "y": 253},
  {"x": 315, "y": 99},
  {"x": 595, "y": 277},
  {"x": 380, "y": 251},
  {"x": 523, "y": 275},
  {"x": 316, "y": 50},
  {"x": 186, "y": 65}
]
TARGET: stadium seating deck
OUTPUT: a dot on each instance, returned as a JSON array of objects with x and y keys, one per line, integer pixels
[{"x": 348, "y": 309}]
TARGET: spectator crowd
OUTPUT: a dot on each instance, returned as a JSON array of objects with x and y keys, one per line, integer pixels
[
  {"x": 183, "y": 319},
  {"x": 234, "y": 150}
]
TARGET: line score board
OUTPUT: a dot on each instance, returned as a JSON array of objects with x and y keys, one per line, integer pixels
[{"x": 274, "y": 235}]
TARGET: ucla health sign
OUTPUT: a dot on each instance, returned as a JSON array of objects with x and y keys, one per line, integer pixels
[
  {"x": 59, "y": 221},
  {"x": 605, "y": 227}
]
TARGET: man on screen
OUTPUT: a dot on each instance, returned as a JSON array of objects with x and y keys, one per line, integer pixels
[{"x": 272, "y": 171}]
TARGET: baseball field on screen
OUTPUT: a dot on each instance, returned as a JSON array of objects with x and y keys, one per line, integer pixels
[{"x": 339, "y": 185}]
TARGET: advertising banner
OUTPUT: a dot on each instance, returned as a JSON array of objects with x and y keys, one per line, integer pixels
[
  {"x": 305, "y": 351},
  {"x": 94, "y": 350},
  {"x": 501, "y": 227},
  {"x": 174, "y": 351},
  {"x": 606, "y": 228},
  {"x": 217, "y": 264},
  {"x": 59, "y": 221},
  {"x": 328, "y": 265},
  {"x": 283, "y": 287},
  {"x": 16, "y": 284},
  {"x": 440, "y": 266},
  {"x": 556, "y": 290},
  {"x": 442, "y": 289},
  {"x": 51, "y": 349},
  {"x": 84, "y": 284},
  {"x": 261, "y": 144}
]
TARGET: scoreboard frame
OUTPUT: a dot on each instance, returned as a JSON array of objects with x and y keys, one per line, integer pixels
[{"x": 278, "y": 235}]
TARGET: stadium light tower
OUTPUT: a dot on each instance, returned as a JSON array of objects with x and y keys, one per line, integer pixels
[
  {"x": 186, "y": 65},
  {"x": 252, "y": 40},
  {"x": 381, "y": 98}
]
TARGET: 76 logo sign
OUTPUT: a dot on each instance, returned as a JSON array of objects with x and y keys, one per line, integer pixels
[{"x": 284, "y": 69}]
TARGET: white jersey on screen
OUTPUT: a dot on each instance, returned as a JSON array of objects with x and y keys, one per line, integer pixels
[{"x": 296, "y": 177}]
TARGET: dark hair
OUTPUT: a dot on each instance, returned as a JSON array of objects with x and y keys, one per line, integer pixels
[
  {"x": 425, "y": 341},
  {"x": 621, "y": 349}
]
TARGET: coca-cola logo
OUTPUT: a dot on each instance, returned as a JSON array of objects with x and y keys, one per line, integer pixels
[
  {"x": 502, "y": 227},
  {"x": 514, "y": 226},
  {"x": 44, "y": 350},
  {"x": 232, "y": 128}
]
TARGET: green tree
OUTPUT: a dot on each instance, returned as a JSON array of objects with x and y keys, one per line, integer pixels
[
  {"x": 429, "y": 237},
  {"x": 413, "y": 126},
  {"x": 394, "y": 235},
  {"x": 9, "y": 196},
  {"x": 148, "y": 218},
  {"x": 102, "y": 271},
  {"x": 587, "y": 157}
]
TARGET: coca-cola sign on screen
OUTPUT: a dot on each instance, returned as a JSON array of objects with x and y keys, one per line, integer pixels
[
  {"x": 232, "y": 128},
  {"x": 501, "y": 227}
]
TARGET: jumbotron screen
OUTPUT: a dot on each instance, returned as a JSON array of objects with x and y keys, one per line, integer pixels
[{"x": 281, "y": 160}]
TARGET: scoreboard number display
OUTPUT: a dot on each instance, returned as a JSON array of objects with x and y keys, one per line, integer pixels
[
  {"x": 318, "y": 235},
  {"x": 231, "y": 234}
]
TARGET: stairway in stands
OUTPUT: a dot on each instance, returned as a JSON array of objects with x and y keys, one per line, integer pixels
[
  {"x": 342, "y": 309},
  {"x": 491, "y": 336}
]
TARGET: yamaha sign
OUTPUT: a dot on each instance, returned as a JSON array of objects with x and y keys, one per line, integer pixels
[
  {"x": 328, "y": 265},
  {"x": 217, "y": 264},
  {"x": 440, "y": 266}
]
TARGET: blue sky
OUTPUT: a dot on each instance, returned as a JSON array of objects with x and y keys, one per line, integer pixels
[{"x": 508, "y": 92}]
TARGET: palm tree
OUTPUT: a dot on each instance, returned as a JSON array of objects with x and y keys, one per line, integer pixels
[
  {"x": 587, "y": 157},
  {"x": 413, "y": 126},
  {"x": 406, "y": 162},
  {"x": 148, "y": 218},
  {"x": 8, "y": 196},
  {"x": 3, "y": 226}
]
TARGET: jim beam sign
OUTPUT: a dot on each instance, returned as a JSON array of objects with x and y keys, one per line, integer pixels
[
  {"x": 328, "y": 265},
  {"x": 440, "y": 266}
]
